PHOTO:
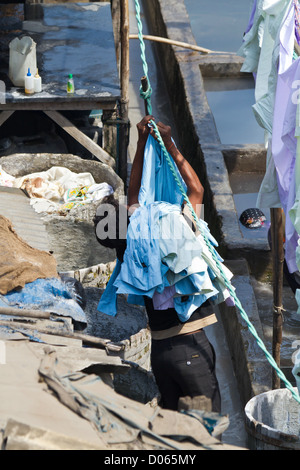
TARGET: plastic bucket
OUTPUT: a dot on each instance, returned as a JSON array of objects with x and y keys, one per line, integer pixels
[{"x": 273, "y": 421}]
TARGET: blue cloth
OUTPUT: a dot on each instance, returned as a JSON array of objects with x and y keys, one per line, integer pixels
[
  {"x": 158, "y": 183},
  {"x": 49, "y": 295},
  {"x": 152, "y": 254},
  {"x": 142, "y": 268},
  {"x": 108, "y": 301},
  {"x": 157, "y": 256}
]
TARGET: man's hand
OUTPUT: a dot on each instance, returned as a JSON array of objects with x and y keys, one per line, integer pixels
[
  {"x": 143, "y": 128},
  {"x": 165, "y": 132}
]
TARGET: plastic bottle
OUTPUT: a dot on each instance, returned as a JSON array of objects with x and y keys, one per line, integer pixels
[
  {"x": 37, "y": 82},
  {"x": 70, "y": 85},
  {"x": 29, "y": 87}
]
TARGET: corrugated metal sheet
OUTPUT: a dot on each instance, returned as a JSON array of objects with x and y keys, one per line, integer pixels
[{"x": 15, "y": 206}]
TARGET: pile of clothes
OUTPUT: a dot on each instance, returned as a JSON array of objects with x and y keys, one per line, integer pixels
[
  {"x": 164, "y": 258},
  {"x": 58, "y": 189}
]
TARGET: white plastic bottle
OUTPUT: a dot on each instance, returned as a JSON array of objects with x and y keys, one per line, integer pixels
[
  {"x": 70, "y": 85},
  {"x": 37, "y": 82},
  {"x": 29, "y": 86}
]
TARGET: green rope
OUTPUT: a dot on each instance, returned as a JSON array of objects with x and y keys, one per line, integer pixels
[{"x": 147, "y": 96}]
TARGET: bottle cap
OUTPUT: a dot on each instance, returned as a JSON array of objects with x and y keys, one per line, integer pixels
[
  {"x": 28, "y": 74},
  {"x": 70, "y": 75},
  {"x": 37, "y": 73}
]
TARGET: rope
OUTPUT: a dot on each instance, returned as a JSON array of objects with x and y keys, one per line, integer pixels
[{"x": 147, "y": 96}]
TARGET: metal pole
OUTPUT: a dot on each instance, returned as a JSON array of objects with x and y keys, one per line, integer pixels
[{"x": 278, "y": 260}]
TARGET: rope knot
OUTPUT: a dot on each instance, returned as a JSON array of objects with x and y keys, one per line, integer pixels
[{"x": 147, "y": 93}]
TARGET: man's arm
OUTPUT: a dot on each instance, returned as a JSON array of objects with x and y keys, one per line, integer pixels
[
  {"x": 137, "y": 165},
  {"x": 195, "y": 189}
]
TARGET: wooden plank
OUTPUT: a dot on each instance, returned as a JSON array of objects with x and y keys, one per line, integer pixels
[
  {"x": 59, "y": 105},
  {"x": 97, "y": 342},
  {"x": 83, "y": 139}
]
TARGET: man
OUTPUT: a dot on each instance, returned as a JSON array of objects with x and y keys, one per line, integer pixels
[{"x": 182, "y": 359}]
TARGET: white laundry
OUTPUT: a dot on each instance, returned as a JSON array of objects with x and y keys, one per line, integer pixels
[
  {"x": 5, "y": 178},
  {"x": 50, "y": 190}
]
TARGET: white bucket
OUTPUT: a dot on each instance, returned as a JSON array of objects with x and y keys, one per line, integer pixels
[
  {"x": 22, "y": 56},
  {"x": 273, "y": 421}
]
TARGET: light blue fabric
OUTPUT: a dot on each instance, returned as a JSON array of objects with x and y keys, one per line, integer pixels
[
  {"x": 142, "y": 268},
  {"x": 158, "y": 183},
  {"x": 108, "y": 301},
  {"x": 185, "y": 309},
  {"x": 153, "y": 254},
  {"x": 161, "y": 247}
]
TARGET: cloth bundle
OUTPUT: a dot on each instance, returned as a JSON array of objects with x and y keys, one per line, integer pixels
[
  {"x": 58, "y": 189},
  {"x": 29, "y": 278},
  {"x": 164, "y": 259},
  {"x": 49, "y": 295}
]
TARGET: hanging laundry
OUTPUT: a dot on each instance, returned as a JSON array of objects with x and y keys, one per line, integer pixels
[
  {"x": 271, "y": 50},
  {"x": 164, "y": 259},
  {"x": 297, "y": 20}
]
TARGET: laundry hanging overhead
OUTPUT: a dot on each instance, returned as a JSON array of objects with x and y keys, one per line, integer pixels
[{"x": 270, "y": 49}]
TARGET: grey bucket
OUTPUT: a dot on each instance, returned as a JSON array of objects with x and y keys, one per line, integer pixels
[{"x": 273, "y": 421}]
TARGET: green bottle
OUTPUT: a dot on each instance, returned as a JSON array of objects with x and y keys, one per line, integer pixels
[{"x": 70, "y": 84}]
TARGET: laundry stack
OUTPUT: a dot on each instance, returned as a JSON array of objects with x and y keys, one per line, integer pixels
[{"x": 165, "y": 259}]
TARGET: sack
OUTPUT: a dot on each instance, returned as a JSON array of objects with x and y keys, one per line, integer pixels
[{"x": 22, "y": 56}]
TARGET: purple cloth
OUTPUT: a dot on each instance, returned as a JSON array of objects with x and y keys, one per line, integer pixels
[
  {"x": 283, "y": 135},
  {"x": 297, "y": 20},
  {"x": 165, "y": 299}
]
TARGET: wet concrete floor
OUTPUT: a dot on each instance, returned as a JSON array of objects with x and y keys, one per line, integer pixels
[{"x": 231, "y": 405}]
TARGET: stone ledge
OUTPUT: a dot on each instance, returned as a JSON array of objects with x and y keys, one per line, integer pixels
[{"x": 250, "y": 363}]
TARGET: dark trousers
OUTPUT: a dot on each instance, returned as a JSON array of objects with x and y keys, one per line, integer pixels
[{"x": 184, "y": 365}]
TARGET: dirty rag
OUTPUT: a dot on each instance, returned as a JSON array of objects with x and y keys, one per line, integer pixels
[{"x": 19, "y": 262}]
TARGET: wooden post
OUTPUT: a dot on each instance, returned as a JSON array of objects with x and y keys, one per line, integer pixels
[
  {"x": 124, "y": 78},
  {"x": 144, "y": 83},
  {"x": 116, "y": 21},
  {"x": 278, "y": 260}
]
